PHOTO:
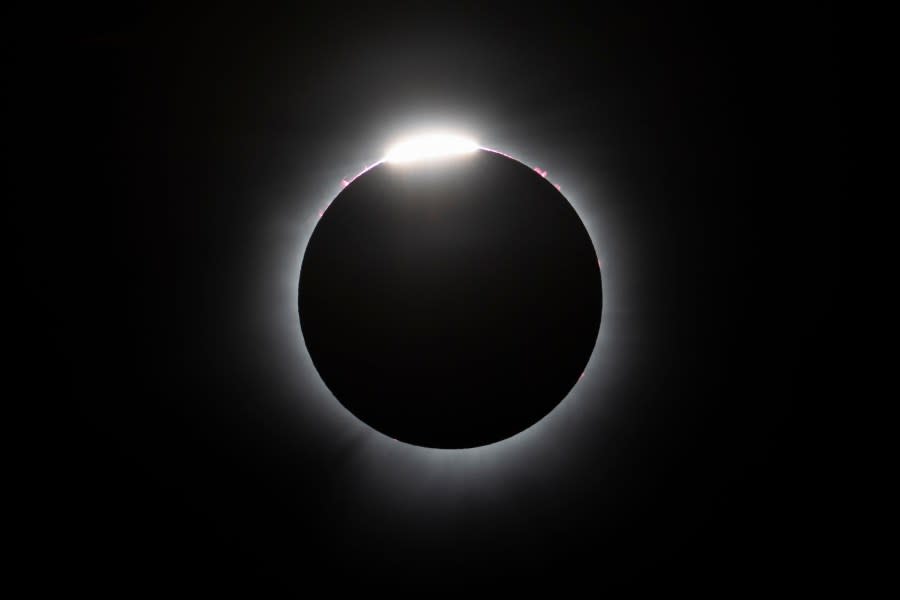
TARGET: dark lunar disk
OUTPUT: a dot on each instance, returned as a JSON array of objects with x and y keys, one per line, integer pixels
[{"x": 450, "y": 303}]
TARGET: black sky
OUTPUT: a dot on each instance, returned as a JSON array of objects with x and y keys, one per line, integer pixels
[{"x": 179, "y": 154}]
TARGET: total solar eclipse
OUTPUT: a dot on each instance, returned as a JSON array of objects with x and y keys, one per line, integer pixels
[{"x": 450, "y": 296}]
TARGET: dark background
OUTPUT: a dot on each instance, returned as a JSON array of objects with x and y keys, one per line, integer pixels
[{"x": 160, "y": 155}]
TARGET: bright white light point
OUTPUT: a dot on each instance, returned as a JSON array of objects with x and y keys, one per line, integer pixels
[{"x": 430, "y": 146}]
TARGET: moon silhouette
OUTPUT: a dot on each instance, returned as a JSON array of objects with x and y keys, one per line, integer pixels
[{"x": 450, "y": 303}]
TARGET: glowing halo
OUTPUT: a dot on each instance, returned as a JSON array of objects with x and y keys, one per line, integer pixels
[{"x": 292, "y": 225}]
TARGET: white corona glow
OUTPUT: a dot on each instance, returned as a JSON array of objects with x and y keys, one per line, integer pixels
[{"x": 428, "y": 147}]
